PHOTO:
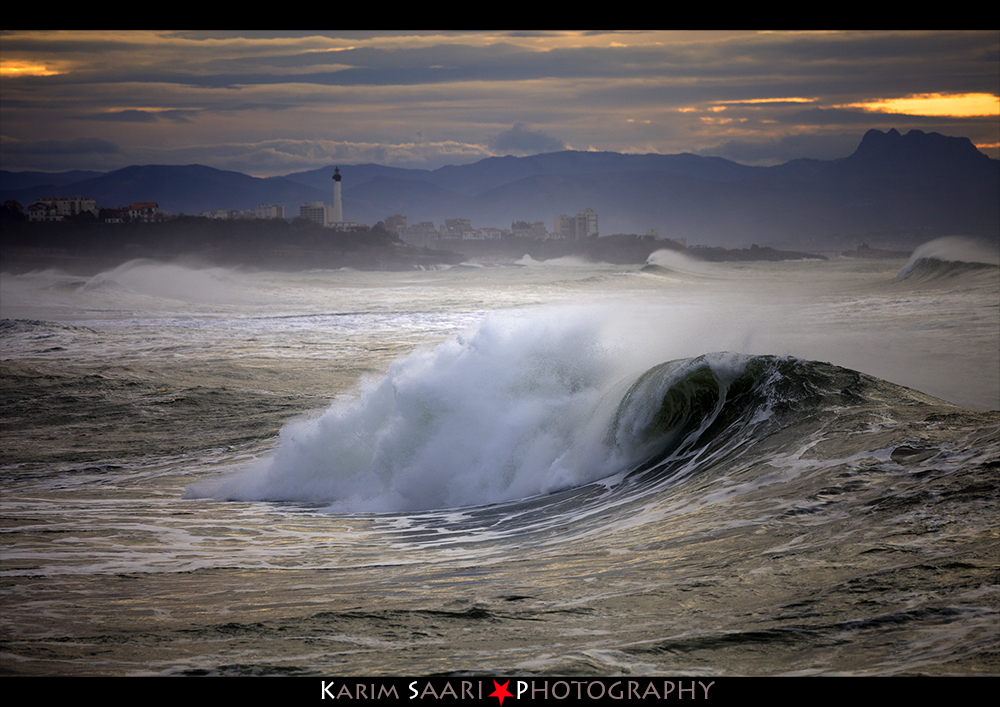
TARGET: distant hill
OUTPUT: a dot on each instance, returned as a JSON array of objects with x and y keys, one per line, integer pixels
[
  {"x": 189, "y": 189},
  {"x": 11, "y": 182},
  {"x": 895, "y": 191}
]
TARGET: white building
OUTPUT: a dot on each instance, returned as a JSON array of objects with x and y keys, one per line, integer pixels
[
  {"x": 40, "y": 211},
  {"x": 317, "y": 211},
  {"x": 143, "y": 211},
  {"x": 58, "y": 208},
  {"x": 583, "y": 225},
  {"x": 324, "y": 214},
  {"x": 270, "y": 211}
]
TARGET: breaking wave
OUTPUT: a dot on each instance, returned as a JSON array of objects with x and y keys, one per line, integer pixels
[
  {"x": 522, "y": 407},
  {"x": 949, "y": 256}
]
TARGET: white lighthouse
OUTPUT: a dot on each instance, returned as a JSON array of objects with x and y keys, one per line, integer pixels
[{"x": 338, "y": 207}]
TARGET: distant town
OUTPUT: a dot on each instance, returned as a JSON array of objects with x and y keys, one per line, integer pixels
[
  {"x": 74, "y": 233},
  {"x": 424, "y": 234}
]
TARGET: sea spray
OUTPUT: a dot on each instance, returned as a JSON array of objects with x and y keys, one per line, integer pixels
[
  {"x": 184, "y": 282},
  {"x": 512, "y": 409}
]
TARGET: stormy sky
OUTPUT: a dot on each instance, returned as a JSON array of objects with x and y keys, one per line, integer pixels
[{"x": 271, "y": 103}]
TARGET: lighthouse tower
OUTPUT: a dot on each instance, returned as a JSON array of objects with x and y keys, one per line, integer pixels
[{"x": 338, "y": 207}]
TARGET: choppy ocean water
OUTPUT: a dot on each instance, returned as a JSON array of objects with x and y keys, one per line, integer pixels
[{"x": 682, "y": 469}]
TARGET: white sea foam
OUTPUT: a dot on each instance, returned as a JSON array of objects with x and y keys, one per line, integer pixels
[{"x": 512, "y": 409}]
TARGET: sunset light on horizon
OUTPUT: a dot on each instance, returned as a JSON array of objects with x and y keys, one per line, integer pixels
[{"x": 964, "y": 105}]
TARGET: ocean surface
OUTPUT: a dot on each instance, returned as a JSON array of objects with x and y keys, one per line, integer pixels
[{"x": 681, "y": 469}]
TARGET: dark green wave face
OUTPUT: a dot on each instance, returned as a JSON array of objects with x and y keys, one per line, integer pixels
[
  {"x": 716, "y": 403},
  {"x": 667, "y": 407}
]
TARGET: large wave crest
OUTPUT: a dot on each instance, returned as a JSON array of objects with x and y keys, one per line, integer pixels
[{"x": 518, "y": 407}]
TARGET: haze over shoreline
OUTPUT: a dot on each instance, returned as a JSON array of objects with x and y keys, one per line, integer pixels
[{"x": 893, "y": 192}]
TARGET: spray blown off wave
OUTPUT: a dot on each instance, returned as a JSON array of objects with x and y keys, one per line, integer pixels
[
  {"x": 517, "y": 408},
  {"x": 946, "y": 256},
  {"x": 673, "y": 261},
  {"x": 505, "y": 412}
]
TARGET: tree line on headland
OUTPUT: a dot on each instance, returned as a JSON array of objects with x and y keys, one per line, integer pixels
[{"x": 84, "y": 245}]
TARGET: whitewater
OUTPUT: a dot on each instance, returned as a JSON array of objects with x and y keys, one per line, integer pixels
[{"x": 537, "y": 468}]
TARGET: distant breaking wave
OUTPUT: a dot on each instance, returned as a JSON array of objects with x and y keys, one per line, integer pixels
[
  {"x": 672, "y": 261},
  {"x": 567, "y": 261},
  {"x": 943, "y": 256}
]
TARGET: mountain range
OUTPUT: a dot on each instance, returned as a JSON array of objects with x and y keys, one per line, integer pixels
[{"x": 893, "y": 191}]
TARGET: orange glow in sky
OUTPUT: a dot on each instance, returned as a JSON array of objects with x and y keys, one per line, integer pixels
[
  {"x": 956, "y": 105},
  {"x": 23, "y": 68}
]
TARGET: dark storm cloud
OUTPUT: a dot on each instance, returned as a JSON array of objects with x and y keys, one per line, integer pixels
[
  {"x": 354, "y": 34},
  {"x": 796, "y": 62},
  {"x": 141, "y": 116},
  {"x": 804, "y": 58},
  {"x": 846, "y": 116},
  {"x": 370, "y": 66},
  {"x": 54, "y": 45},
  {"x": 864, "y": 47},
  {"x": 761, "y": 55},
  {"x": 433, "y": 98}
]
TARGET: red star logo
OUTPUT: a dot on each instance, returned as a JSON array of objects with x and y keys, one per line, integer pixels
[{"x": 501, "y": 691}]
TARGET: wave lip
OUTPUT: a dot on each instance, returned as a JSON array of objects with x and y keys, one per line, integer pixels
[
  {"x": 670, "y": 407},
  {"x": 950, "y": 255}
]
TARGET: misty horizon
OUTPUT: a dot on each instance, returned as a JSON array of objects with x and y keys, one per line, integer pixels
[{"x": 894, "y": 191}]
